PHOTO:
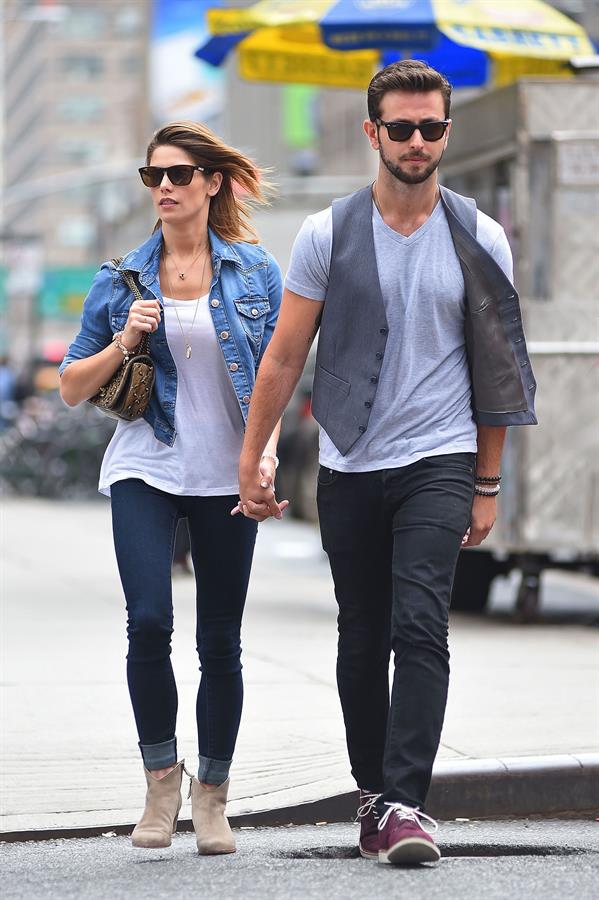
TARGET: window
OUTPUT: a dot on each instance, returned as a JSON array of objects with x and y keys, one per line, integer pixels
[
  {"x": 128, "y": 21},
  {"x": 86, "y": 67},
  {"x": 83, "y": 23},
  {"x": 77, "y": 151},
  {"x": 83, "y": 196},
  {"x": 132, "y": 65},
  {"x": 81, "y": 109},
  {"x": 76, "y": 231}
]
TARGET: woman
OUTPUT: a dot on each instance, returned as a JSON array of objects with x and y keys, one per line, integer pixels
[{"x": 211, "y": 295}]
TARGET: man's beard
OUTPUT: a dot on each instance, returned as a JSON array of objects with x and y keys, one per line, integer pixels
[{"x": 405, "y": 177}]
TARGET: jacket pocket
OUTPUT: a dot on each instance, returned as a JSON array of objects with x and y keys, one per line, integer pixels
[
  {"x": 333, "y": 380},
  {"x": 118, "y": 321},
  {"x": 252, "y": 309},
  {"x": 252, "y": 315}
]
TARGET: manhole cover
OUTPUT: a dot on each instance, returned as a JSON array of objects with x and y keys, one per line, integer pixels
[{"x": 321, "y": 853}]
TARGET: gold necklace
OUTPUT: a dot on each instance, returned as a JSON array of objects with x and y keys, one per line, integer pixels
[
  {"x": 186, "y": 337},
  {"x": 178, "y": 267}
]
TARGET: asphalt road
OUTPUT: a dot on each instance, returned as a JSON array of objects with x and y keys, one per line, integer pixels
[{"x": 494, "y": 860}]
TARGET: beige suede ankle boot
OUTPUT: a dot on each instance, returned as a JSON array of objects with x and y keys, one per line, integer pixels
[
  {"x": 213, "y": 832},
  {"x": 163, "y": 802}
]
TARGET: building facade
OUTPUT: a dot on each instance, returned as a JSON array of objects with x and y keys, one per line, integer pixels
[{"x": 75, "y": 110}]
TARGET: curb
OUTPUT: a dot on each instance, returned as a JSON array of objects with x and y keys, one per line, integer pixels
[{"x": 513, "y": 787}]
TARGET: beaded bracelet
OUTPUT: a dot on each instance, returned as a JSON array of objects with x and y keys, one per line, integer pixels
[
  {"x": 272, "y": 456},
  {"x": 488, "y": 479},
  {"x": 117, "y": 340},
  {"x": 482, "y": 493}
]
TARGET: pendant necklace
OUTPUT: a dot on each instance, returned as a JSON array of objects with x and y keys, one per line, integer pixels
[
  {"x": 186, "y": 337},
  {"x": 178, "y": 267}
]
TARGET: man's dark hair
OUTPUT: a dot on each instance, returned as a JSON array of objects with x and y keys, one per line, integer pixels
[{"x": 406, "y": 75}]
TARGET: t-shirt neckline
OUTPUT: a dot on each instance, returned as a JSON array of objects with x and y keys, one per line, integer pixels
[{"x": 416, "y": 235}]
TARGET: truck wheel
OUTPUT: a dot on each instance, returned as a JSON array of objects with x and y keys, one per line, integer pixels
[
  {"x": 527, "y": 599},
  {"x": 472, "y": 582}
]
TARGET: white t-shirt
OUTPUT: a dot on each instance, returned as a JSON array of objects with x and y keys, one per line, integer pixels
[
  {"x": 423, "y": 401},
  {"x": 203, "y": 460}
]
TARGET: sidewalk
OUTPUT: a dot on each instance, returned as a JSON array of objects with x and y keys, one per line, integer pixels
[{"x": 70, "y": 748}]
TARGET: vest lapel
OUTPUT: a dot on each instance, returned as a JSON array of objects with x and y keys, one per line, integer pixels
[{"x": 353, "y": 255}]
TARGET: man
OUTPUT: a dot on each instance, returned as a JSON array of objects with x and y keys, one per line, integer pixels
[{"x": 421, "y": 365}]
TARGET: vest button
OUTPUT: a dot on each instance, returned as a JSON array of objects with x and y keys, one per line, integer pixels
[
  {"x": 361, "y": 429},
  {"x": 374, "y": 379},
  {"x": 379, "y": 355},
  {"x": 246, "y": 399},
  {"x": 214, "y": 303},
  {"x": 224, "y": 335},
  {"x": 254, "y": 312},
  {"x": 233, "y": 367},
  {"x": 368, "y": 404},
  {"x": 384, "y": 331}
]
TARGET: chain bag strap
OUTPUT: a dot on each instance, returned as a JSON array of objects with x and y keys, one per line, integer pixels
[{"x": 127, "y": 393}]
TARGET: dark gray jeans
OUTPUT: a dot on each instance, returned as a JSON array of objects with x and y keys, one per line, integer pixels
[{"x": 393, "y": 538}]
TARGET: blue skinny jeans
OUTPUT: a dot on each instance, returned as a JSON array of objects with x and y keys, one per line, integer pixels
[{"x": 144, "y": 521}]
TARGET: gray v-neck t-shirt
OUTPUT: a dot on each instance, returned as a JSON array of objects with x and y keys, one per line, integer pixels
[{"x": 423, "y": 401}]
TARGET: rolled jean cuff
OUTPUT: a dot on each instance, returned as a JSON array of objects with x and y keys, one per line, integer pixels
[
  {"x": 213, "y": 771},
  {"x": 159, "y": 756}
]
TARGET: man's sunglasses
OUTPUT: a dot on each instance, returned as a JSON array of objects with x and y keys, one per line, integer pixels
[
  {"x": 403, "y": 131},
  {"x": 178, "y": 175}
]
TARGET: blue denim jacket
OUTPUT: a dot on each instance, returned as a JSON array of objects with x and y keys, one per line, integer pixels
[{"x": 244, "y": 301}]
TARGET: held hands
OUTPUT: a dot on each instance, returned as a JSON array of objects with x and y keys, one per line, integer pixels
[
  {"x": 484, "y": 513},
  {"x": 257, "y": 493},
  {"x": 144, "y": 315}
]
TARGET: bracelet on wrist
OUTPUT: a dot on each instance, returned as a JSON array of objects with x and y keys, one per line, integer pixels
[
  {"x": 117, "y": 340},
  {"x": 488, "y": 479},
  {"x": 483, "y": 492},
  {"x": 271, "y": 456}
]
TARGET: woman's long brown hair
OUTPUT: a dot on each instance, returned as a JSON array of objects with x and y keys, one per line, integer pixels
[{"x": 229, "y": 215}]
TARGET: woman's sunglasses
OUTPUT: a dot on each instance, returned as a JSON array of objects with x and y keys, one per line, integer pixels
[
  {"x": 178, "y": 175},
  {"x": 403, "y": 131}
]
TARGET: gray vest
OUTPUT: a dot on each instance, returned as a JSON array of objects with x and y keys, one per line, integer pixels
[{"x": 353, "y": 332}]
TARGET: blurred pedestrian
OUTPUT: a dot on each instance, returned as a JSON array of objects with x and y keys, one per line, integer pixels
[
  {"x": 211, "y": 296},
  {"x": 421, "y": 365},
  {"x": 8, "y": 393}
]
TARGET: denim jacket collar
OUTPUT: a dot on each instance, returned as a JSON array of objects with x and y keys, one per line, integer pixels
[{"x": 146, "y": 258}]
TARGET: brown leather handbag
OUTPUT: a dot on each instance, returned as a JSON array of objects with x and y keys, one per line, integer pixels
[{"x": 127, "y": 393}]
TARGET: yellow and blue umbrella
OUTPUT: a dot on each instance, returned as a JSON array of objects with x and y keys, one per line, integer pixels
[{"x": 340, "y": 43}]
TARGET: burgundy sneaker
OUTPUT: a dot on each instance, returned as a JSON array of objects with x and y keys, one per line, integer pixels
[
  {"x": 369, "y": 818},
  {"x": 403, "y": 840}
]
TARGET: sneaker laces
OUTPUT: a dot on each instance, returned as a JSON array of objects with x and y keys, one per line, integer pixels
[
  {"x": 409, "y": 813},
  {"x": 368, "y": 806}
]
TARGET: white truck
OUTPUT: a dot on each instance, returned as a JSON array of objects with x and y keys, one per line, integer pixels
[{"x": 529, "y": 154}]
